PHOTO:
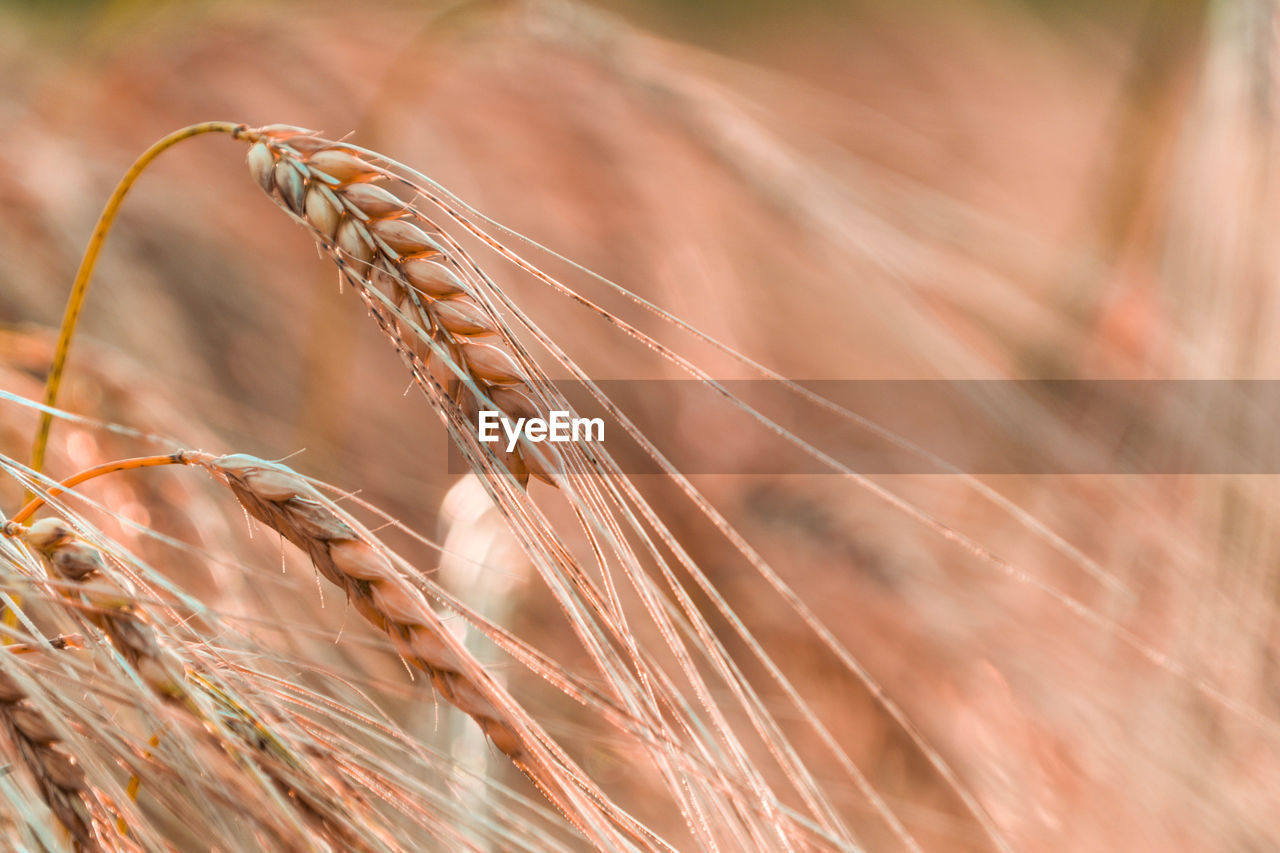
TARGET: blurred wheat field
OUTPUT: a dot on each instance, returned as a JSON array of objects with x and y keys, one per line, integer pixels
[{"x": 866, "y": 191}]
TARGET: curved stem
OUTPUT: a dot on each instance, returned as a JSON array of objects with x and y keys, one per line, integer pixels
[
  {"x": 179, "y": 458},
  {"x": 81, "y": 285}
]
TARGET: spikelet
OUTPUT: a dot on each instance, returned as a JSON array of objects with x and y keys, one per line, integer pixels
[{"x": 111, "y": 608}]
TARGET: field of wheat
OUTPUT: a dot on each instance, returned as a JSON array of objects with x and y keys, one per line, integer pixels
[{"x": 265, "y": 587}]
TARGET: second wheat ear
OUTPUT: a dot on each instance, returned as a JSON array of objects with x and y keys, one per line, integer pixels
[{"x": 291, "y": 506}]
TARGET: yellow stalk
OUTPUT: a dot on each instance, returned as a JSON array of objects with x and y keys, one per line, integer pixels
[{"x": 80, "y": 287}]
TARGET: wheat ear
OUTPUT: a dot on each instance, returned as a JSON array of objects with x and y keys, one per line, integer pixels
[
  {"x": 381, "y": 243},
  {"x": 58, "y": 775},
  {"x": 288, "y": 504},
  {"x": 291, "y": 506},
  {"x": 114, "y": 610}
]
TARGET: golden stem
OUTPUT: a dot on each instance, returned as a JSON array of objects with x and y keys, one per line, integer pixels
[{"x": 81, "y": 285}]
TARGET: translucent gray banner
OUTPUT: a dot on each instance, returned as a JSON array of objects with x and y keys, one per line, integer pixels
[{"x": 938, "y": 426}]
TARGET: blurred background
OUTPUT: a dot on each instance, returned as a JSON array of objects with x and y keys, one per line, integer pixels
[{"x": 839, "y": 190}]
